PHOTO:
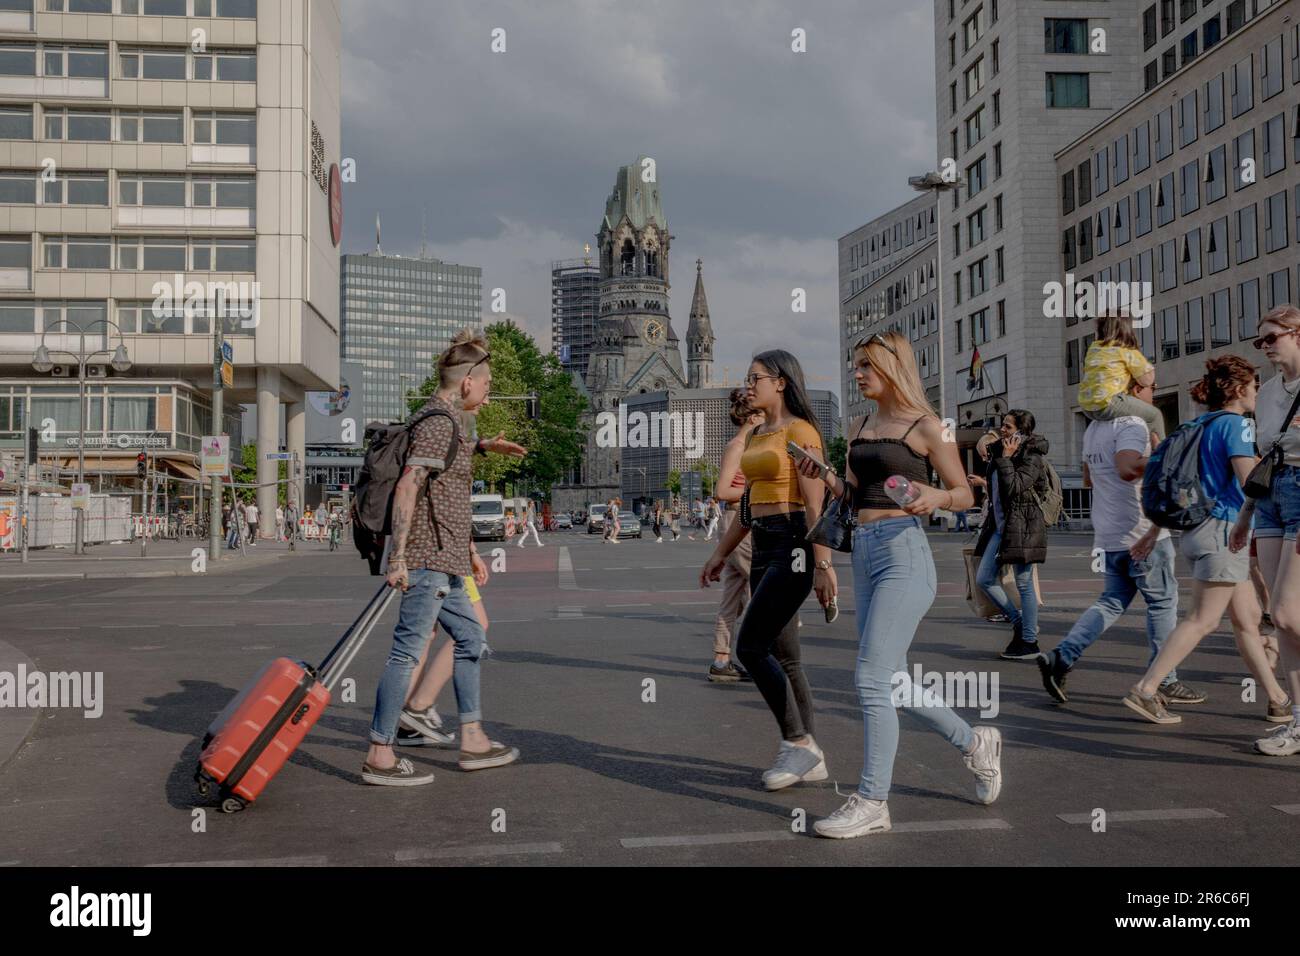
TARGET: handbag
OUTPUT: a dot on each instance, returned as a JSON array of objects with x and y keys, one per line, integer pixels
[
  {"x": 745, "y": 518},
  {"x": 1259, "y": 483},
  {"x": 978, "y": 601},
  {"x": 834, "y": 529}
]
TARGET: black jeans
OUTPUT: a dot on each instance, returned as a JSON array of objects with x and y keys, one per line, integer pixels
[{"x": 767, "y": 649}]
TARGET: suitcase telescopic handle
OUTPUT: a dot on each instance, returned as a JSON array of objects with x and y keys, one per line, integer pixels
[{"x": 340, "y": 656}]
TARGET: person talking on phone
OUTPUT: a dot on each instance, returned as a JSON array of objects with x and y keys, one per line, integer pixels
[
  {"x": 894, "y": 580},
  {"x": 1015, "y": 532},
  {"x": 784, "y": 567}
]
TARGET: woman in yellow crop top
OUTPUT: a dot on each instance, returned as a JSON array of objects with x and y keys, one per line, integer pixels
[{"x": 784, "y": 567}]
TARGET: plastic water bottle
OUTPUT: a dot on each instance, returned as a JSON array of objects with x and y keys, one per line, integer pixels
[{"x": 901, "y": 491}]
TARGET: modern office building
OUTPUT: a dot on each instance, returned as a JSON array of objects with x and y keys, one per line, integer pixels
[
  {"x": 575, "y": 302},
  {"x": 399, "y": 314},
  {"x": 1195, "y": 188},
  {"x": 888, "y": 280},
  {"x": 644, "y": 471},
  {"x": 1177, "y": 32},
  {"x": 166, "y": 165},
  {"x": 1013, "y": 87}
]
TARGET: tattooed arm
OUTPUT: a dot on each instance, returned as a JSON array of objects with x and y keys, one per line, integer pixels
[{"x": 408, "y": 487}]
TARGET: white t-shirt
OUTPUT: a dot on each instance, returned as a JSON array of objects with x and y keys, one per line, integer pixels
[
  {"x": 1117, "y": 519},
  {"x": 1275, "y": 398},
  {"x": 250, "y": 514}
]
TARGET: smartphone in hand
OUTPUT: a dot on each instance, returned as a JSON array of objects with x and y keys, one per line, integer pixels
[{"x": 798, "y": 453}]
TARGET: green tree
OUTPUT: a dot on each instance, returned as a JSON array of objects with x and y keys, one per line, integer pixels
[
  {"x": 708, "y": 474},
  {"x": 246, "y": 473},
  {"x": 837, "y": 454},
  {"x": 674, "y": 482}
]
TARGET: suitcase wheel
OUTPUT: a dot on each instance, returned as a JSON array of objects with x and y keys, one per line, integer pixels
[
  {"x": 232, "y": 805},
  {"x": 204, "y": 788}
]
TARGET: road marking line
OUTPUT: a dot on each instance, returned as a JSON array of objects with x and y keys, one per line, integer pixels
[
  {"x": 762, "y": 836},
  {"x": 488, "y": 850},
  {"x": 938, "y": 826},
  {"x": 1290, "y": 808},
  {"x": 568, "y": 581},
  {"x": 629, "y": 605},
  {"x": 279, "y": 861},
  {"x": 569, "y": 612},
  {"x": 148, "y": 647},
  {"x": 1140, "y": 816}
]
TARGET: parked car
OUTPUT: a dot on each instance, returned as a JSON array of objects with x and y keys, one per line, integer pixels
[
  {"x": 629, "y": 525},
  {"x": 563, "y": 521},
  {"x": 596, "y": 519}
]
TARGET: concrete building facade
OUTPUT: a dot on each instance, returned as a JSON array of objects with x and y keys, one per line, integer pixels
[
  {"x": 575, "y": 303},
  {"x": 155, "y": 157},
  {"x": 1195, "y": 188}
]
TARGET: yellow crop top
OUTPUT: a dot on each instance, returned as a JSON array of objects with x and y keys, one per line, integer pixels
[{"x": 770, "y": 471}]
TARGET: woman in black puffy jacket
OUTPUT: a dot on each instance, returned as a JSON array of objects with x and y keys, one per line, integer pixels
[{"x": 1015, "y": 532}]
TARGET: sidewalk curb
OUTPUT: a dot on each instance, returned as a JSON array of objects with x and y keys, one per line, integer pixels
[
  {"x": 219, "y": 568},
  {"x": 10, "y": 653}
]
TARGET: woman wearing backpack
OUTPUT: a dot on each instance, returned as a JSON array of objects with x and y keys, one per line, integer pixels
[
  {"x": 1015, "y": 532},
  {"x": 1221, "y": 573}
]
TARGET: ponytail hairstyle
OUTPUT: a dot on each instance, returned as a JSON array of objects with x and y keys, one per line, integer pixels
[
  {"x": 1225, "y": 378},
  {"x": 782, "y": 363},
  {"x": 1116, "y": 330},
  {"x": 740, "y": 410},
  {"x": 467, "y": 351}
]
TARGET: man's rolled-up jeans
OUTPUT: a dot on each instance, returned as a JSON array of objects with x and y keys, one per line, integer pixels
[
  {"x": 1124, "y": 580},
  {"x": 434, "y": 596}
]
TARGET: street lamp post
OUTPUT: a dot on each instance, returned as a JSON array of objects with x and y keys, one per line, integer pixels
[
  {"x": 42, "y": 362},
  {"x": 936, "y": 184}
]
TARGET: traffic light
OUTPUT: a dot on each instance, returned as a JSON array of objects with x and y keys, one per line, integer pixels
[
  {"x": 531, "y": 404},
  {"x": 141, "y": 461}
]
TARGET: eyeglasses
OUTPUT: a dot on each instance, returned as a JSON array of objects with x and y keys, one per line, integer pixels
[
  {"x": 485, "y": 358},
  {"x": 751, "y": 379},
  {"x": 1267, "y": 341},
  {"x": 878, "y": 339}
]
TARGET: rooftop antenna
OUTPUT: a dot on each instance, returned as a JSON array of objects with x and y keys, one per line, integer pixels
[
  {"x": 379, "y": 250},
  {"x": 424, "y": 231}
]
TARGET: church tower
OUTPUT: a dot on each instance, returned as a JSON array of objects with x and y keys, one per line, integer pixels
[{"x": 699, "y": 336}]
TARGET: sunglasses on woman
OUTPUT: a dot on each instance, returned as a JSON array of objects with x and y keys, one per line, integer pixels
[
  {"x": 1267, "y": 341},
  {"x": 877, "y": 339}
]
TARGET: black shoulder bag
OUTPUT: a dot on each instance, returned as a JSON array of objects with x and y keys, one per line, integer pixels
[{"x": 1259, "y": 483}]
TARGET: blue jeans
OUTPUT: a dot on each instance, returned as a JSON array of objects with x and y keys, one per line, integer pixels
[
  {"x": 894, "y": 585},
  {"x": 1125, "y": 579},
  {"x": 987, "y": 578},
  {"x": 434, "y": 597}
]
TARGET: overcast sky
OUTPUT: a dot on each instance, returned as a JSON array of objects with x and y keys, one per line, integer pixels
[{"x": 765, "y": 156}]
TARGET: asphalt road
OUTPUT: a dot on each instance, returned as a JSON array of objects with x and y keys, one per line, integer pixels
[{"x": 607, "y": 777}]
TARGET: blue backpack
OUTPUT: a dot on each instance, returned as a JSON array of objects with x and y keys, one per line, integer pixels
[{"x": 1172, "y": 496}]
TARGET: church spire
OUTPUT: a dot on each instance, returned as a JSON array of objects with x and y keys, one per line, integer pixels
[{"x": 699, "y": 335}]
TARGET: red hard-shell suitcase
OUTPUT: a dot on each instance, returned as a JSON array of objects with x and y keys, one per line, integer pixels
[{"x": 259, "y": 730}]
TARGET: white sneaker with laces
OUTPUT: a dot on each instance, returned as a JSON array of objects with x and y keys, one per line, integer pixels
[
  {"x": 985, "y": 761},
  {"x": 858, "y": 817},
  {"x": 795, "y": 763},
  {"x": 1282, "y": 742}
]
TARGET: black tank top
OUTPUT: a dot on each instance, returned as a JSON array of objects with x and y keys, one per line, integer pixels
[{"x": 875, "y": 459}]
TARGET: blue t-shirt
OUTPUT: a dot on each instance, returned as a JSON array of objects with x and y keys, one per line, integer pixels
[{"x": 1228, "y": 436}]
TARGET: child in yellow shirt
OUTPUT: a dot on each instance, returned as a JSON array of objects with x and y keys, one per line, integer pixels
[{"x": 1113, "y": 362}]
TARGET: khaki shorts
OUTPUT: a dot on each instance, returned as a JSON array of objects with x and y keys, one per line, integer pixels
[{"x": 1206, "y": 549}]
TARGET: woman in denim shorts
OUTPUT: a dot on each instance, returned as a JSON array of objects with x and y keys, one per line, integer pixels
[
  {"x": 1277, "y": 517},
  {"x": 1221, "y": 572}
]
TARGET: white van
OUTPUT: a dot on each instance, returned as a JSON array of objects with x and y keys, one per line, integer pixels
[{"x": 489, "y": 517}]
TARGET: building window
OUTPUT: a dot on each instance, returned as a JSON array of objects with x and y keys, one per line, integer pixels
[
  {"x": 225, "y": 255},
  {"x": 1072, "y": 362},
  {"x": 75, "y": 62},
  {"x": 1194, "y": 326},
  {"x": 78, "y": 252},
  {"x": 997, "y": 160},
  {"x": 997, "y": 214},
  {"x": 151, "y": 127},
  {"x": 1169, "y": 62},
  {"x": 1270, "y": 81},
  {"x": 1085, "y": 240},
  {"x": 1121, "y": 223},
  {"x": 1216, "y": 245},
  {"x": 1166, "y": 267},
  {"x": 1165, "y": 200},
  {"x": 1248, "y": 325},
  {"x": 1243, "y": 86},
  {"x": 1068, "y": 250},
  {"x": 154, "y": 191},
  {"x": 1101, "y": 172},
  {"x": 1119, "y": 160},
  {"x": 1279, "y": 288},
  {"x": 1236, "y": 15},
  {"x": 1142, "y": 147},
  {"x": 999, "y": 266},
  {"x": 1187, "y": 10},
  {"x": 1165, "y": 133},
  {"x": 1150, "y": 75},
  {"x": 1247, "y": 234},
  {"x": 1275, "y": 145},
  {"x": 1191, "y": 256},
  {"x": 997, "y": 109},
  {"x": 1102, "y": 231},
  {"x": 153, "y": 64},
  {"x": 1189, "y": 192},
  {"x": 977, "y": 273},
  {"x": 1190, "y": 44},
  {"x": 1065, "y": 35},
  {"x": 1169, "y": 334},
  {"x": 226, "y": 66},
  {"x": 1211, "y": 32},
  {"x": 975, "y": 227},
  {"x": 1220, "y": 319},
  {"x": 1187, "y": 130},
  {"x": 1067, "y": 193},
  {"x": 1149, "y": 37},
  {"x": 1275, "y": 222},
  {"x": 974, "y": 127},
  {"x": 972, "y": 30},
  {"x": 976, "y": 176},
  {"x": 1214, "y": 103},
  {"x": 974, "y": 78},
  {"x": 16, "y": 122},
  {"x": 1167, "y": 22},
  {"x": 78, "y": 125},
  {"x": 1244, "y": 149},
  {"x": 1067, "y": 90},
  {"x": 1216, "y": 174},
  {"x": 1142, "y": 219},
  {"x": 225, "y": 129},
  {"x": 80, "y": 189}
]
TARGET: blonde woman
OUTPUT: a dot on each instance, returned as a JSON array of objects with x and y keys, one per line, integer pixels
[{"x": 893, "y": 575}]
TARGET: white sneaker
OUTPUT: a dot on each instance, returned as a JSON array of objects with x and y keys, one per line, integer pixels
[
  {"x": 793, "y": 764},
  {"x": 986, "y": 763},
  {"x": 858, "y": 817},
  {"x": 1282, "y": 742}
]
